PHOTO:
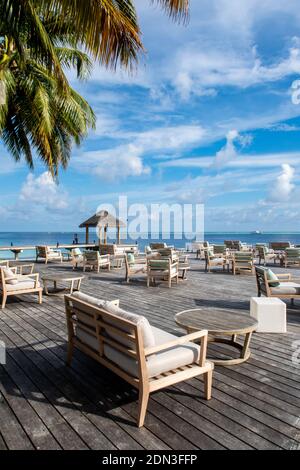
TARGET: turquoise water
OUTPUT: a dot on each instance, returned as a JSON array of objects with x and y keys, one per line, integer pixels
[{"x": 62, "y": 238}]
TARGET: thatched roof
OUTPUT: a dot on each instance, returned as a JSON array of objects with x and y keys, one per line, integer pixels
[{"x": 102, "y": 219}]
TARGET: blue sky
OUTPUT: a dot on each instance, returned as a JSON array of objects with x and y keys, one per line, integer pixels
[{"x": 207, "y": 118}]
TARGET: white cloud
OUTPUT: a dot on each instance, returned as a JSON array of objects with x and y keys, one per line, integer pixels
[
  {"x": 42, "y": 191},
  {"x": 283, "y": 187},
  {"x": 126, "y": 160}
]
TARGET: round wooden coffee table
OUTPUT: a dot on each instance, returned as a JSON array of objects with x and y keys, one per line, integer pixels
[
  {"x": 221, "y": 323},
  {"x": 74, "y": 281}
]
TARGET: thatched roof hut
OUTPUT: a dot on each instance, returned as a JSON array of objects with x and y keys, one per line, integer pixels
[{"x": 102, "y": 219}]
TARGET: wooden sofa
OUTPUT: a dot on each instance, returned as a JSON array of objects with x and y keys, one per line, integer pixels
[{"x": 146, "y": 357}]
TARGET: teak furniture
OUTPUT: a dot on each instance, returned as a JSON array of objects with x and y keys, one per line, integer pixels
[
  {"x": 93, "y": 260},
  {"x": 242, "y": 261},
  {"x": 162, "y": 269},
  {"x": 14, "y": 282},
  {"x": 48, "y": 254},
  {"x": 283, "y": 286},
  {"x": 146, "y": 357},
  {"x": 135, "y": 268},
  {"x": 219, "y": 324},
  {"x": 73, "y": 280}
]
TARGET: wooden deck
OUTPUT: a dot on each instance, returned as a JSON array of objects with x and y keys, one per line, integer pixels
[{"x": 47, "y": 405}]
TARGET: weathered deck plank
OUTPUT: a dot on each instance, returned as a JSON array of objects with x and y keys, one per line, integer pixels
[{"x": 255, "y": 405}]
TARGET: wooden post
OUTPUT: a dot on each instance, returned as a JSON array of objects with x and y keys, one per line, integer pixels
[
  {"x": 87, "y": 234},
  {"x": 118, "y": 235},
  {"x": 105, "y": 234}
]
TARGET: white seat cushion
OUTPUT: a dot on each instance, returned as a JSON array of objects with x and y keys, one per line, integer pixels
[
  {"x": 287, "y": 288},
  {"x": 158, "y": 363},
  {"x": 22, "y": 285}
]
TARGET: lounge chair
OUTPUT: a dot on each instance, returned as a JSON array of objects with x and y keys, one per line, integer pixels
[
  {"x": 135, "y": 267},
  {"x": 162, "y": 269},
  {"x": 282, "y": 286},
  {"x": 291, "y": 256},
  {"x": 266, "y": 254},
  {"x": 14, "y": 282},
  {"x": 48, "y": 254},
  {"x": 93, "y": 260},
  {"x": 242, "y": 261},
  {"x": 148, "y": 358},
  {"x": 215, "y": 260}
]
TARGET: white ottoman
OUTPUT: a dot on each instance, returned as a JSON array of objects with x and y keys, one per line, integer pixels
[{"x": 270, "y": 314}]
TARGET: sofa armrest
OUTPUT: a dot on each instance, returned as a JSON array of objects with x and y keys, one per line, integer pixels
[{"x": 177, "y": 342}]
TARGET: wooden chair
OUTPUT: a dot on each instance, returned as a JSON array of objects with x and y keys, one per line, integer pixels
[
  {"x": 265, "y": 255},
  {"x": 148, "y": 358},
  {"x": 4, "y": 263},
  {"x": 282, "y": 286},
  {"x": 213, "y": 261},
  {"x": 162, "y": 269},
  {"x": 291, "y": 256},
  {"x": 93, "y": 260},
  {"x": 280, "y": 246},
  {"x": 13, "y": 281},
  {"x": 135, "y": 267},
  {"x": 242, "y": 261},
  {"x": 76, "y": 257},
  {"x": 48, "y": 254}
]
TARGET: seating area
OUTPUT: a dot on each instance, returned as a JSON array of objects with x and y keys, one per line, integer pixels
[{"x": 113, "y": 383}]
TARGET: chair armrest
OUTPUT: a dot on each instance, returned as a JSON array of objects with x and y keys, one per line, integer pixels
[
  {"x": 33, "y": 276},
  {"x": 177, "y": 342},
  {"x": 287, "y": 275},
  {"x": 21, "y": 266}
]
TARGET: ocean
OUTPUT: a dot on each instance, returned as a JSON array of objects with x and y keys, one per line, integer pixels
[{"x": 62, "y": 238}]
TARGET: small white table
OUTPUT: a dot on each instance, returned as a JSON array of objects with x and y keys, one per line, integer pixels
[{"x": 270, "y": 314}]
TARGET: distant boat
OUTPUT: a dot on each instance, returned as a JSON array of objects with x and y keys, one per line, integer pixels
[{"x": 256, "y": 232}]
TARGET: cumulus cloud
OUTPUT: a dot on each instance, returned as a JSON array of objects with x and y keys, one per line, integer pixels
[
  {"x": 43, "y": 191},
  {"x": 284, "y": 186},
  {"x": 230, "y": 152},
  {"x": 125, "y": 160}
]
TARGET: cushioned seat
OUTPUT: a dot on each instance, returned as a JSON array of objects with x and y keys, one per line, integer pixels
[
  {"x": 286, "y": 288},
  {"x": 164, "y": 361},
  {"x": 22, "y": 285},
  {"x": 217, "y": 260}
]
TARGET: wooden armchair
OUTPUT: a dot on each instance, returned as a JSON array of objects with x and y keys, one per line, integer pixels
[
  {"x": 282, "y": 286},
  {"x": 93, "y": 260},
  {"x": 135, "y": 267},
  {"x": 265, "y": 255},
  {"x": 14, "y": 282},
  {"x": 215, "y": 260},
  {"x": 76, "y": 257},
  {"x": 148, "y": 358},
  {"x": 48, "y": 254},
  {"x": 242, "y": 261},
  {"x": 291, "y": 256},
  {"x": 162, "y": 269}
]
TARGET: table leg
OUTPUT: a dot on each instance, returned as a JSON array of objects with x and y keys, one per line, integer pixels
[
  {"x": 245, "y": 349},
  {"x": 46, "y": 288},
  {"x": 55, "y": 285}
]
